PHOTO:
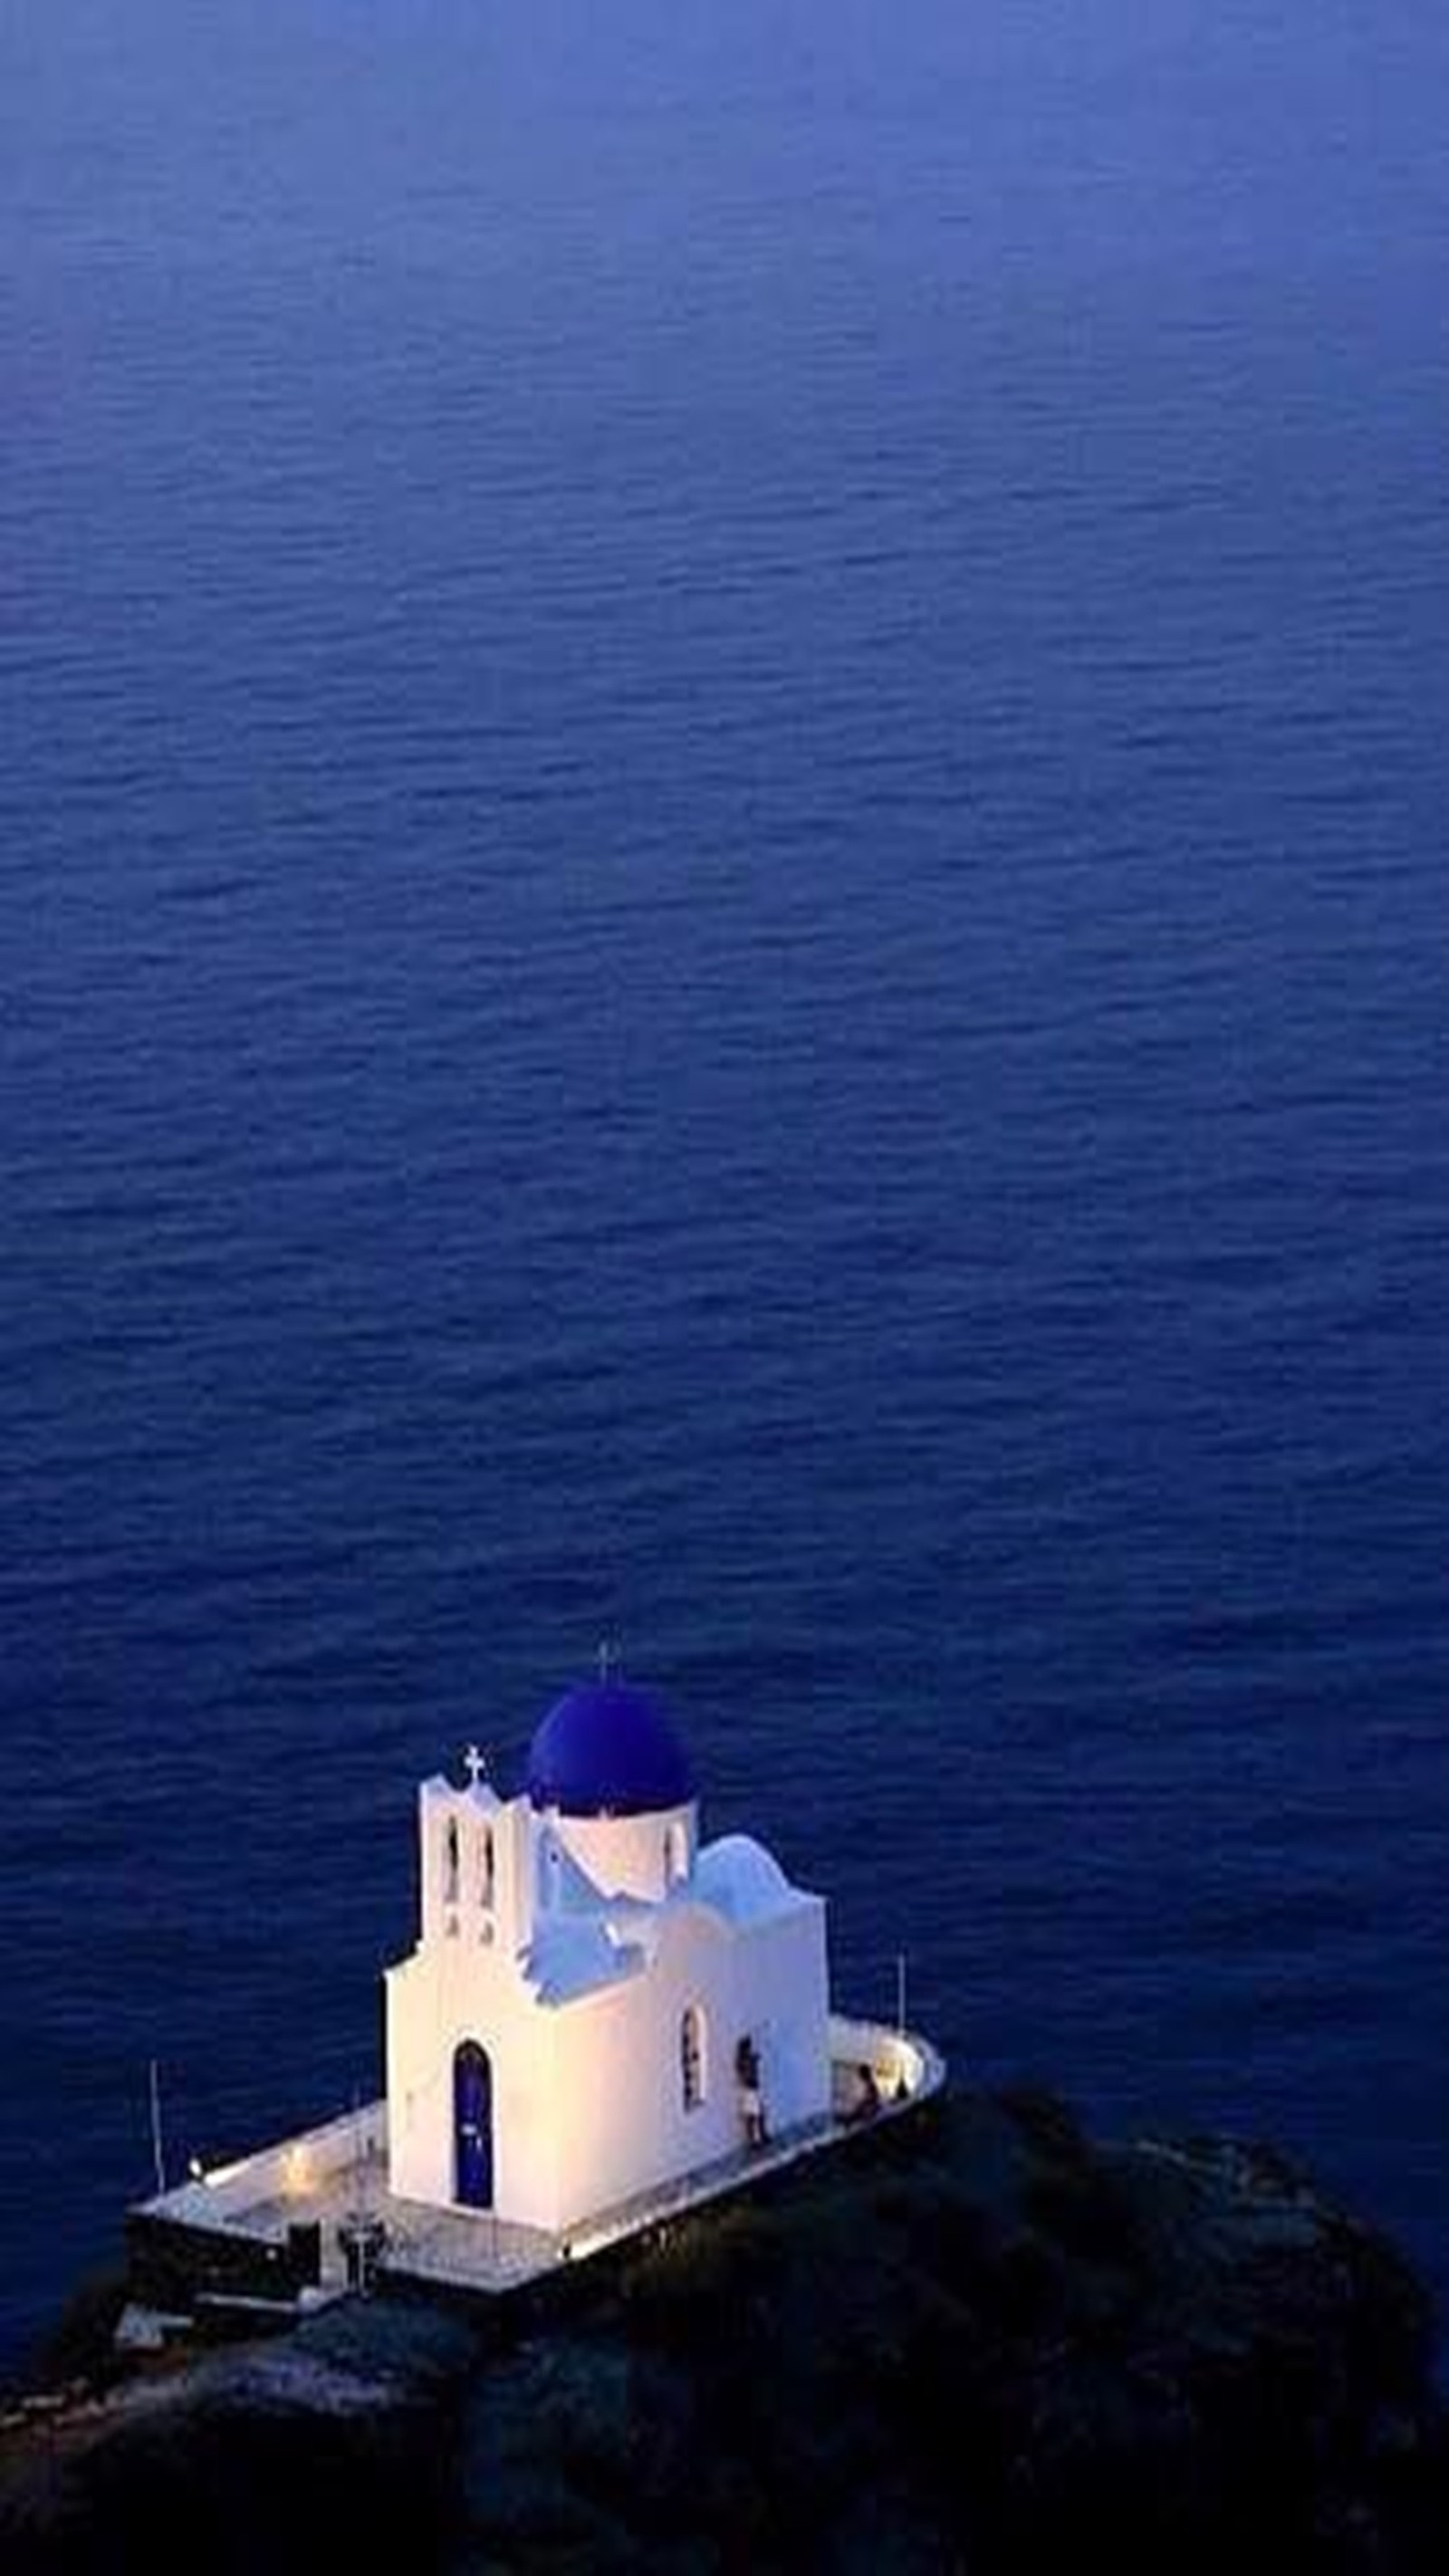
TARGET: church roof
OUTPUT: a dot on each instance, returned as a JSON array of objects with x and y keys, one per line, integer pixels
[
  {"x": 575, "y": 1954},
  {"x": 743, "y": 1881},
  {"x": 607, "y": 1748}
]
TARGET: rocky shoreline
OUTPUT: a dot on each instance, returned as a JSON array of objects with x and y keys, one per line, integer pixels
[{"x": 980, "y": 2341}]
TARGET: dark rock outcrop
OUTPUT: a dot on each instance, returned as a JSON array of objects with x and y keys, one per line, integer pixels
[{"x": 973, "y": 2341}]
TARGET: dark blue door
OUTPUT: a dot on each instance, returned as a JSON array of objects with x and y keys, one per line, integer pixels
[{"x": 473, "y": 2127}]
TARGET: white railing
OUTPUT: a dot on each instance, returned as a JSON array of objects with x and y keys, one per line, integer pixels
[{"x": 904, "y": 2067}]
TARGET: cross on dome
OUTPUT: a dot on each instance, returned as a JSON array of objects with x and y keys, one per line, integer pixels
[{"x": 475, "y": 1763}]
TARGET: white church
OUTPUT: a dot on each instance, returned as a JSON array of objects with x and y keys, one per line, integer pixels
[
  {"x": 603, "y": 2020},
  {"x": 599, "y": 2004}
]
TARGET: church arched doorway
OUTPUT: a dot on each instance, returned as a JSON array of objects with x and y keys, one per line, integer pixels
[{"x": 472, "y": 2126}]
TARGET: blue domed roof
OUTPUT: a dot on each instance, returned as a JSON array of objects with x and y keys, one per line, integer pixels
[{"x": 608, "y": 1749}]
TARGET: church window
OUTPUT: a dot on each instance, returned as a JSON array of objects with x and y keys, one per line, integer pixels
[
  {"x": 450, "y": 1862},
  {"x": 676, "y": 1855},
  {"x": 691, "y": 2057},
  {"x": 485, "y": 1883}
]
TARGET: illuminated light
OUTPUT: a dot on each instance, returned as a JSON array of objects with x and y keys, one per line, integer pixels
[
  {"x": 196, "y": 2169},
  {"x": 296, "y": 2170}
]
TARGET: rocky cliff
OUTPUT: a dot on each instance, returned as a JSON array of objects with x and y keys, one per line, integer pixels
[{"x": 977, "y": 2342}]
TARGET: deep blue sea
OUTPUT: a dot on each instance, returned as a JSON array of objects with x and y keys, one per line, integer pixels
[{"x": 724, "y": 760}]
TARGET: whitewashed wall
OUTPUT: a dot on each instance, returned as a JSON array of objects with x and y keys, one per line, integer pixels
[
  {"x": 630, "y": 1855},
  {"x": 588, "y": 2105}
]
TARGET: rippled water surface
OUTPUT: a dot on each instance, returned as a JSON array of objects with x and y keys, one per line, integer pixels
[{"x": 722, "y": 920}]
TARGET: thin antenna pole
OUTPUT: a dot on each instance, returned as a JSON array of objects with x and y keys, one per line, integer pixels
[
  {"x": 900, "y": 1994},
  {"x": 158, "y": 2154},
  {"x": 359, "y": 2155}
]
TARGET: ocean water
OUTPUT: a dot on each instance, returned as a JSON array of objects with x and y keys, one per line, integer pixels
[{"x": 723, "y": 922}]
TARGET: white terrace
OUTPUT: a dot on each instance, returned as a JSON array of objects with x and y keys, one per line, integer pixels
[{"x": 337, "y": 2177}]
